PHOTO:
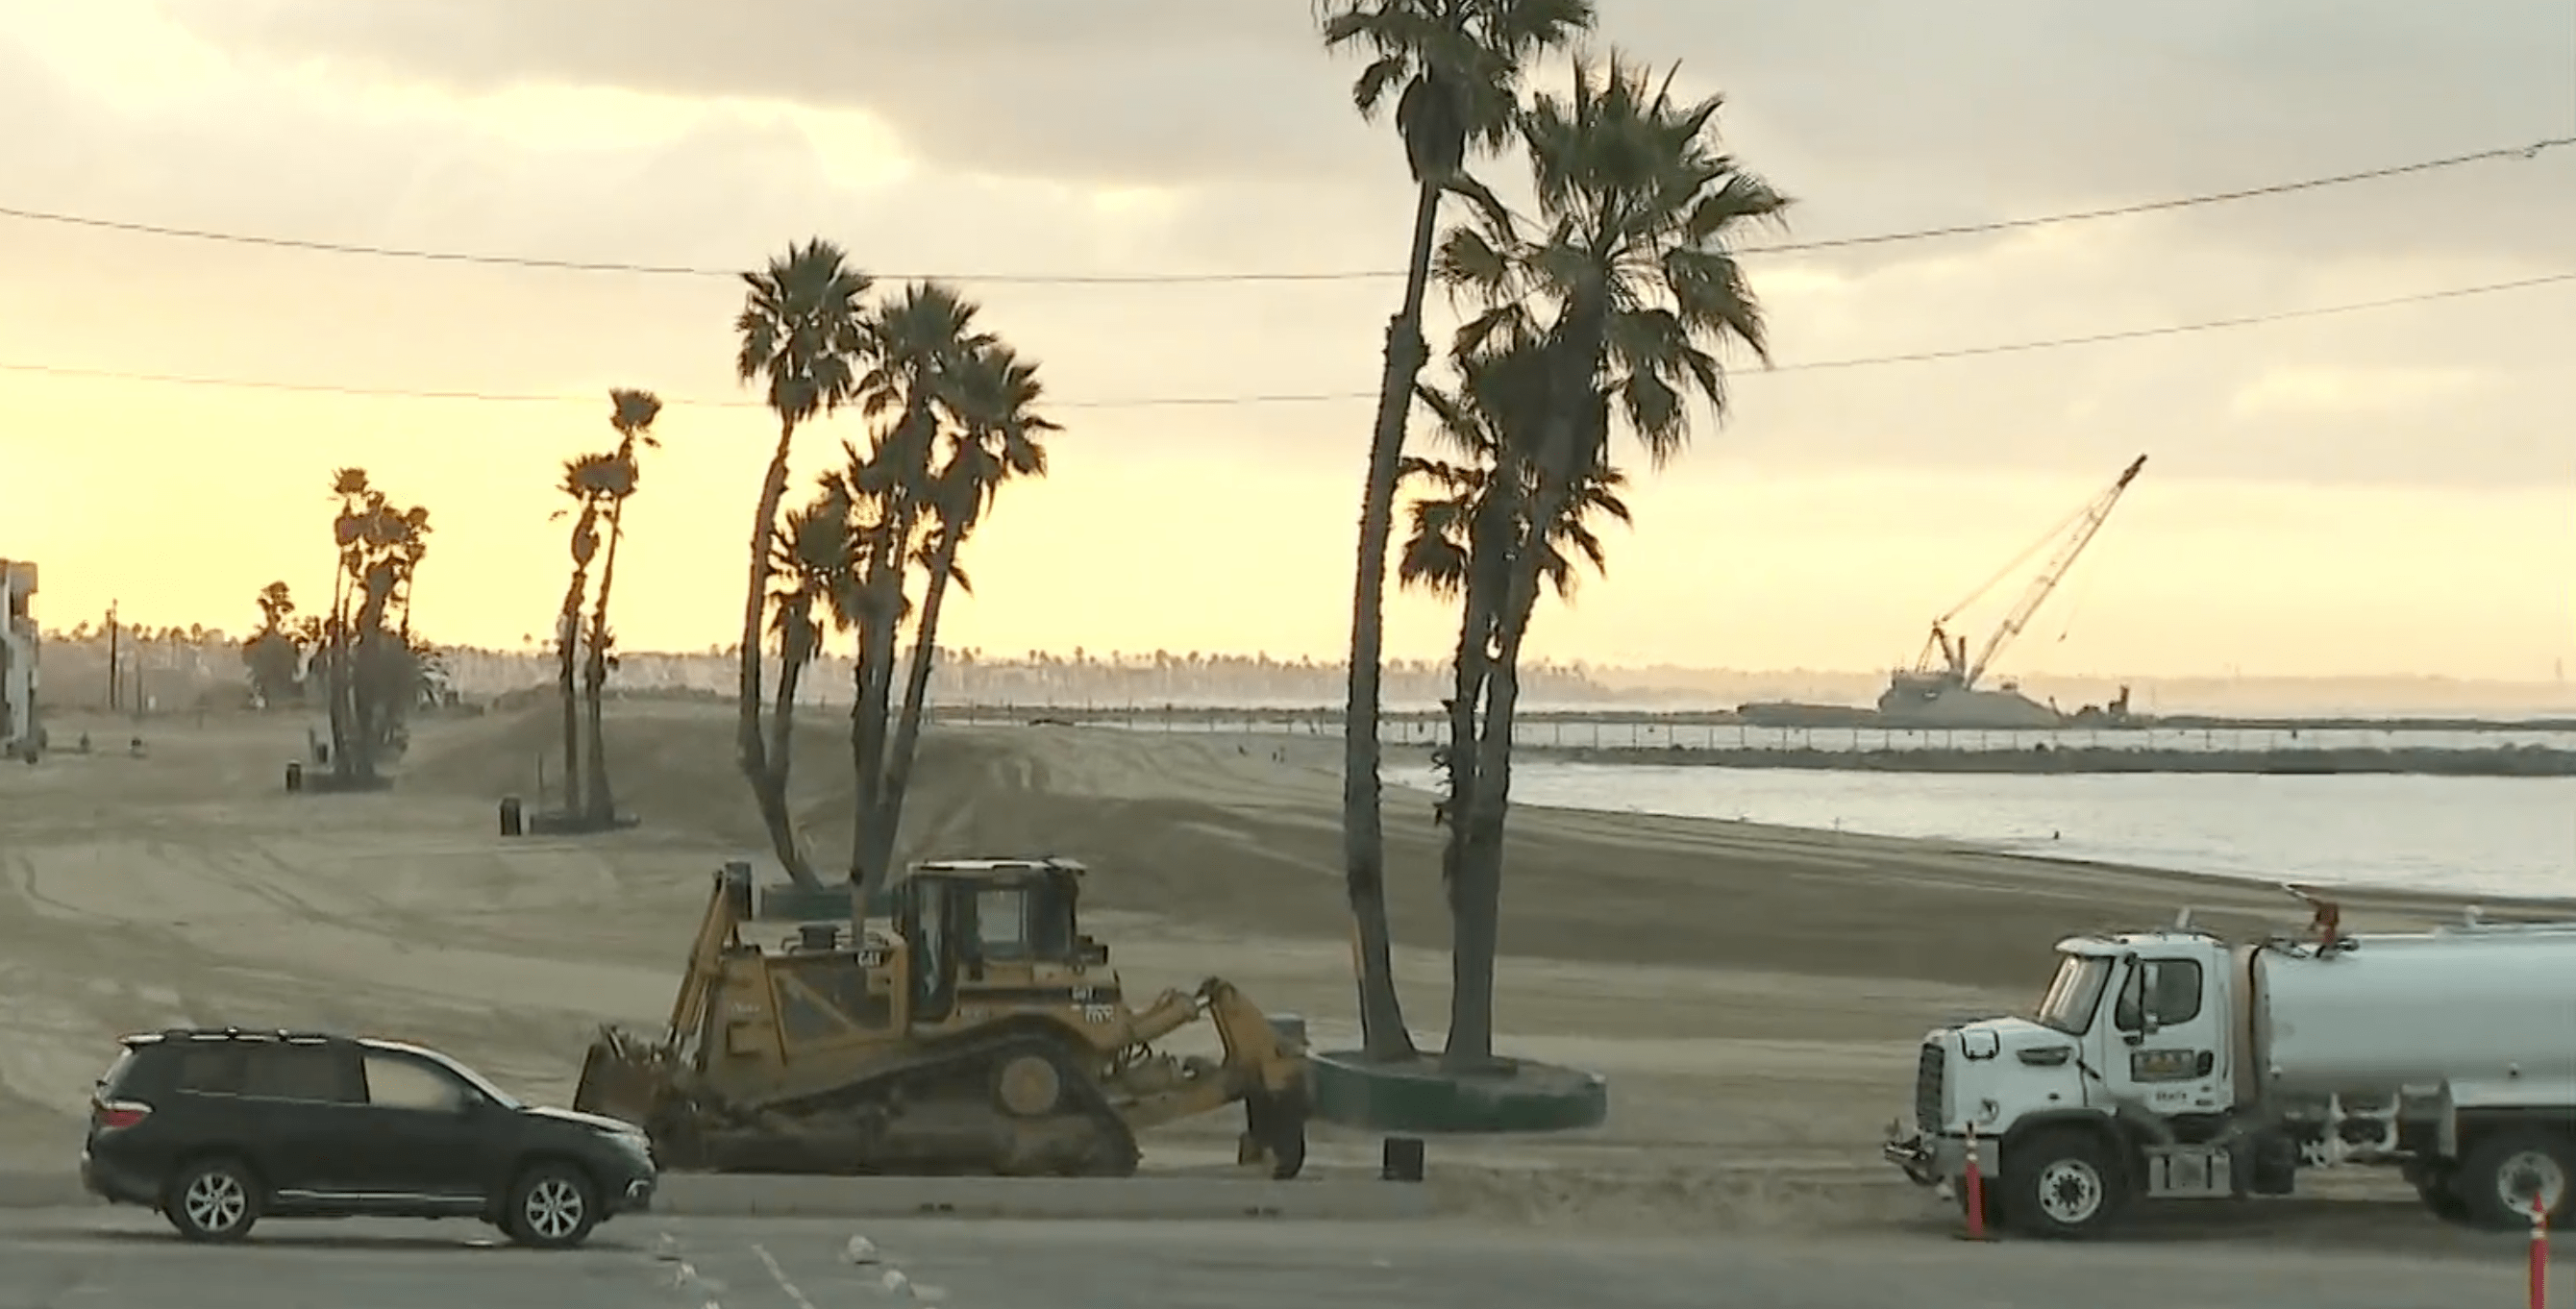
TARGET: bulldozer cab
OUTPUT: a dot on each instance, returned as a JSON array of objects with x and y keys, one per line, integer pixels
[{"x": 991, "y": 928}]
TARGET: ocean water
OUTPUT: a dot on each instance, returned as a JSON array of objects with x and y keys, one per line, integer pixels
[
  {"x": 1634, "y": 734},
  {"x": 2474, "y": 835}
]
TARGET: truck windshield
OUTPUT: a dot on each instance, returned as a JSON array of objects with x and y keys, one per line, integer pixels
[{"x": 2074, "y": 993}]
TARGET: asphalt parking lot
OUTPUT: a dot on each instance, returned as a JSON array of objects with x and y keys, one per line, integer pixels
[{"x": 101, "y": 1259}]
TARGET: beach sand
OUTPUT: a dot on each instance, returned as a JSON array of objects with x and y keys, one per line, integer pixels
[{"x": 1755, "y": 994}]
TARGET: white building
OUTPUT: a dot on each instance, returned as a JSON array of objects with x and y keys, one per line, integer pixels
[{"x": 18, "y": 723}]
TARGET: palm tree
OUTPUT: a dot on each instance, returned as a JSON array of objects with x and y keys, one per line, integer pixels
[
  {"x": 272, "y": 654},
  {"x": 1469, "y": 524},
  {"x": 631, "y": 413},
  {"x": 583, "y": 481},
  {"x": 811, "y": 560},
  {"x": 996, "y": 438},
  {"x": 917, "y": 344},
  {"x": 1612, "y": 305},
  {"x": 356, "y": 499},
  {"x": 800, "y": 331},
  {"x": 1458, "y": 65},
  {"x": 383, "y": 547}
]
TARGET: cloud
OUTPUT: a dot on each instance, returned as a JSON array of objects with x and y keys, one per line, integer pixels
[
  {"x": 1879, "y": 114},
  {"x": 639, "y": 172},
  {"x": 1121, "y": 91}
]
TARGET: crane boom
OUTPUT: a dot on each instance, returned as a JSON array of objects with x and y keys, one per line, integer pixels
[{"x": 2086, "y": 525}]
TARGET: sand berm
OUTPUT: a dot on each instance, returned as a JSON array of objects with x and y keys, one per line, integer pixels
[{"x": 1754, "y": 993}]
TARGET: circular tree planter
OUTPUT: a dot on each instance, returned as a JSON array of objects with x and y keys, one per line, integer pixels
[{"x": 1420, "y": 1098}]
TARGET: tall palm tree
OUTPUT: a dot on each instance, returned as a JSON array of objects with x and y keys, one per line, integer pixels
[
  {"x": 631, "y": 413},
  {"x": 996, "y": 436},
  {"x": 1625, "y": 285},
  {"x": 800, "y": 332},
  {"x": 583, "y": 481},
  {"x": 1452, "y": 69},
  {"x": 917, "y": 343}
]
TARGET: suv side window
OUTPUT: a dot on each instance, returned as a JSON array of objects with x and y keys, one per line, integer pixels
[
  {"x": 297, "y": 1072},
  {"x": 211, "y": 1069},
  {"x": 395, "y": 1082}
]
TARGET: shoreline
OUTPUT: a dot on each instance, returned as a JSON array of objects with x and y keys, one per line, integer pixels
[{"x": 2497, "y": 762}]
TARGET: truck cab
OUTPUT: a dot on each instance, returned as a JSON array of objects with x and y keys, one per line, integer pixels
[{"x": 2123, "y": 1075}]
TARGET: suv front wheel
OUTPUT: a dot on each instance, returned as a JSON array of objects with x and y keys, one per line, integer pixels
[
  {"x": 552, "y": 1207},
  {"x": 212, "y": 1200}
]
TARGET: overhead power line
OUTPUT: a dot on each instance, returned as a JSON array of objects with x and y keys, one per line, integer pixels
[
  {"x": 131, "y": 228},
  {"x": 1320, "y": 397}
]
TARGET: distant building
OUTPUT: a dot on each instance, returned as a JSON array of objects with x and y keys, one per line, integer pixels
[{"x": 19, "y": 729}]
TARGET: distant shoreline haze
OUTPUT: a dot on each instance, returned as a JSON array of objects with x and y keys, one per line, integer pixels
[{"x": 202, "y": 667}]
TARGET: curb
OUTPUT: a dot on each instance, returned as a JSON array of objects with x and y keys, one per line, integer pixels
[
  {"x": 745, "y": 1195},
  {"x": 736, "y": 1195}
]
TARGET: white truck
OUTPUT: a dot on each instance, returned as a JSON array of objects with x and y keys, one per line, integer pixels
[{"x": 2173, "y": 1064}]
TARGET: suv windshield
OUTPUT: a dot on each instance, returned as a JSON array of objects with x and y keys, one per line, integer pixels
[{"x": 2074, "y": 993}]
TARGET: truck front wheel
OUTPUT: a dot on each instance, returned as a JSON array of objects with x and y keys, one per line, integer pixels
[
  {"x": 2062, "y": 1184},
  {"x": 2504, "y": 1174}
]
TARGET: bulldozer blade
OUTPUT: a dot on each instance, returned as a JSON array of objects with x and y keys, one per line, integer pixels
[{"x": 620, "y": 1082}]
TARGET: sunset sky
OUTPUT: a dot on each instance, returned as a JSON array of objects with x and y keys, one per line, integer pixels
[{"x": 2385, "y": 491}]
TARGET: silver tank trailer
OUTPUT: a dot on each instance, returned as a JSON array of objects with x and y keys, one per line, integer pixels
[{"x": 2489, "y": 1012}]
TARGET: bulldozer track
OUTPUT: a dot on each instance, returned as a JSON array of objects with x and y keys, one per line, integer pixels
[{"x": 894, "y": 1120}]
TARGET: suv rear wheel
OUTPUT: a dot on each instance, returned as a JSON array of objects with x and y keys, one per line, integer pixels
[
  {"x": 212, "y": 1200},
  {"x": 552, "y": 1207}
]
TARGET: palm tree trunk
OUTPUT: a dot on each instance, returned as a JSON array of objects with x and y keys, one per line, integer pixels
[
  {"x": 1474, "y": 921},
  {"x": 1476, "y": 894},
  {"x": 1476, "y": 916},
  {"x": 750, "y": 750},
  {"x": 567, "y": 657},
  {"x": 337, "y": 681},
  {"x": 796, "y": 650},
  {"x": 916, "y": 694},
  {"x": 1383, "y": 1033},
  {"x": 877, "y": 642},
  {"x": 599, "y": 802}
]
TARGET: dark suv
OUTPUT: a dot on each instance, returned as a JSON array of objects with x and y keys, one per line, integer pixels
[{"x": 219, "y": 1128}]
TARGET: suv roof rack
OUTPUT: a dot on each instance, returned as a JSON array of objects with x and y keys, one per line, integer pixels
[{"x": 279, "y": 1034}]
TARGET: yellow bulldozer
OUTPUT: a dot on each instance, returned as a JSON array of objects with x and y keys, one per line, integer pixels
[{"x": 981, "y": 1033}]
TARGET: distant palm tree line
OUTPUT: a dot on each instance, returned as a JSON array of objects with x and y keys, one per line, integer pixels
[
  {"x": 200, "y": 661},
  {"x": 967, "y": 676}
]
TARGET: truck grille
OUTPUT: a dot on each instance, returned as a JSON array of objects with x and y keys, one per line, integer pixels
[{"x": 1928, "y": 1073}]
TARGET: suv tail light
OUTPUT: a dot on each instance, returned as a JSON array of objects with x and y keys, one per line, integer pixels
[{"x": 117, "y": 1115}]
